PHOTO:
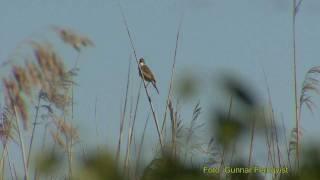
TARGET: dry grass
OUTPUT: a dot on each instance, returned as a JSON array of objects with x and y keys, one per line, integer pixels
[
  {"x": 45, "y": 77},
  {"x": 144, "y": 83},
  {"x": 74, "y": 39}
]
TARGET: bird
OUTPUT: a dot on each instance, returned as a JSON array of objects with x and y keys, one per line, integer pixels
[{"x": 147, "y": 73}]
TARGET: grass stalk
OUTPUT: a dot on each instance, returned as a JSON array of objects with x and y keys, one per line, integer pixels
[
  {"x": 224, "y": 148},
  {"x": 23, "y": 154},
  {"x": 95, "y": 120},
  {"x": 174, "y": 127},
  {"x": 251, "y": 141},
  {"x": 12, "y": 173},
  {"x": 269, "y": 141},
  {"x": 34, "y": 127},
  {"x": 123, "y": 114},
  {"x": 141, "y": 145},
  {"x": 172, "y": 75},
  {"x": 144, "y": 83},
  {"x": 70, "y": 141},
  {"x": 294, "y": 14},
  {"x": 277, "y": 143},
  {"x": 3, "y": 157},
  {"x": 131, "y": 129}
]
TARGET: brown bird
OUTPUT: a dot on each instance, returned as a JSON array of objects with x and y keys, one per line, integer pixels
[{"x": 147, "y": 73}]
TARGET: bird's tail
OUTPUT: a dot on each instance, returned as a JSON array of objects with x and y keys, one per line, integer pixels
[{"x": 154, "y": 85}]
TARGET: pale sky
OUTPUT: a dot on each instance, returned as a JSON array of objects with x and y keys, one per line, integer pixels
[{"x": 217, "y": 36}]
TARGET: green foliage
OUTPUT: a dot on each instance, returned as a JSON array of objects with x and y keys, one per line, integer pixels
[
  {"x": 186, "y": 86},
  {"x": 99, "y": 166},
  {"x": 227, "y": 130},
  {"x": 172, "y": 169},
  {"x": 46, "y": 163}
]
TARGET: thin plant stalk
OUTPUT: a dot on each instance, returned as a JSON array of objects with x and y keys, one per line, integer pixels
[
  {"x": 13, "y": 173},
  {"x": 123, "y": 113},
  {"x": 3, "y": 157},
  {"x": 95, "y": 120},
  {"x": 11, "y": 169},
  {"x": 251, "y": 141},
  {"x": 174, "y": 126},
  {"x": 273, "y": 146},
  {"x": 286, "y": 140},
  {"x": 25, "y": 167},
  {"x": 70, "y": 141},
  {"x": 172, "y": 75},
  {"x": 144, "y": 83},
  {"x": 126, "y": 168},
  {"x": 277, "y": 143},
  {"x": 224, "y": 148},
  {"x": 43, "y": 147},
  {"x": 34, "y": 127},
  {"x": 69, "y": 151},
  {"x": 294, "y": 13},
  {"x": 131, "y": 130},
  {"x": 269, "y": 141},
  {"x": 141, "y": 145}
]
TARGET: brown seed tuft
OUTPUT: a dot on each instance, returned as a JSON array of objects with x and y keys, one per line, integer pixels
[
  {"x": 74, "y": 39},
  {"x": 66, "y": 129},
  {"x": 57, "y": 138}
]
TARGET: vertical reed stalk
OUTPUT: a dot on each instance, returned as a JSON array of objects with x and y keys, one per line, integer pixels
[
  {"x": 224, "y": 148},
  {"x": 3, "y": 157},
  {"x": 123, "y": 115},
  {"x": 141, "y": 145},
  {"x": 251, "y": 141},
  {"x": 144, "y": 83},
  {"x": 34, "y": 127},
  {"x": 131, "y": 130},
  {"x": 172, "y": 75},
  {"x": 294, "y": 13},
  {"x": 23, "y": 154}
]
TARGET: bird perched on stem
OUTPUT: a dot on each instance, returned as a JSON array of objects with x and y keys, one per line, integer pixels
[{"x": 147, "y": 73}]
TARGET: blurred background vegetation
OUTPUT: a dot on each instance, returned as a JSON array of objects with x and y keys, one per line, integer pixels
[{"x": 38, "y": 95}]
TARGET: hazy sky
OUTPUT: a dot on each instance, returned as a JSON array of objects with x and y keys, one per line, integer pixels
[{"x": 217, "y": 36}]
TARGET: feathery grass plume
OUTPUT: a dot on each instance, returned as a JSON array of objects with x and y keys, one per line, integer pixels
[
  {"x": 49, "y": 61},
  {"x": 72, "y": 38},
  {"x": 66, "y": 129},
  {"x": 176, "y": 128},
  {"x": 52, "y": 75},
  {"x": 34, "y": 73},
  {"x": 21, "y": 76},
  {"x": 49, "y": 73},
  {"x": 11, "y": 89},
  {"x": 191, "y": 132},
  {"x": 213, "y": 153},
  {"x": 193, "y": 126},
  {"x": 5, "y": 125},
  {"x": 310, "y": 84},
  {"x": 57, "y": 139},
  {"x": 293, "y": 142},
  {"x": 23, "y": 111},
  {"x": 14, "y": 98}
]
